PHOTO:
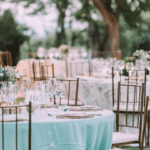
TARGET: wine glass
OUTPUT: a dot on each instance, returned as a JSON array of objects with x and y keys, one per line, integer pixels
[
  {"x": 121, "y": 64},
  {"x": 37, "y": 101},
  {"x": 59, "y": 91},
  {"x": 24, "y": 86},
  {"x": 148, "y": 65},
  {"x": 12, "y": 92},
  {"x": 53, "y": 85},
  {"x": 130, "y": 66},
  {"x": 45, "y": 91}
]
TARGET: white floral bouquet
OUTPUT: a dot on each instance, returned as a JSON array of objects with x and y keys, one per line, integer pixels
[
  {"x": 141, "y": 54},
  {"x": 64, "y": 49},
  {"x": 9, "y": 74}
]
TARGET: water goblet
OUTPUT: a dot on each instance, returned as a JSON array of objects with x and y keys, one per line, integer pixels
[
  {"x": 59, "y": 91},
  {"x": 45, "y": 91}
]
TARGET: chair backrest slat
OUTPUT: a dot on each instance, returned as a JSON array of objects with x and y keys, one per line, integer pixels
[
  {"x": 15, "y": 108},
  {"x": 70, "y": 88},
  {"x": 77, "y": 65},
  {"x": 2, "y": 129},
  {"x": 16, "y": 130},
  {"x": 136, "y": 108},
  {"x": 42, "y": 70},
  {"x": 129, "y": 80},
  {"x": 132, "y": 104}
]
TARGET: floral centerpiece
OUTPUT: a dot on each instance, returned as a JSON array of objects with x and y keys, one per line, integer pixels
[
  {"x": 9, "y": 74},
  {"x": 41, "y": 52},
  {"x": 130, "y": 59},
  {"x": 141, "y": 54},
  {"x": 64, "y": 49},
  {"x": 148, "y": 58}
]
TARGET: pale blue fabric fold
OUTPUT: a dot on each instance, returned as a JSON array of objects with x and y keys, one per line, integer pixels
[{"x": 62, "y": 134}]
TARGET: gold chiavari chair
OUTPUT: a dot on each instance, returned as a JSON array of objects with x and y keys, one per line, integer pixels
[
  {"x": 36, "y": 69},
  {"x": 5, "y": 59},
  {"x": 8, "y": 58},
  {"x": 3, "y": 122},
  {"x": 41, "y": 71},
  {"x": 47, "y": 71},
  {"x": 1, "y": 59},
  {"x": 134, "y": 109},
  {"x": 77, "y": 68},
  {"x": 136, "y": 79},
  {"x": 71, "y": 92}
]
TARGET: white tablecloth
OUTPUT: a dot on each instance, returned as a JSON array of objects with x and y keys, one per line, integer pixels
[
  {"x": 99, "y": 92},
  {"x": 25, "y": 67}
]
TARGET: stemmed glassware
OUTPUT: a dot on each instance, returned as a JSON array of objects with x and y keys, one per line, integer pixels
[
  {"x": 8, "y": 92},
  {"x": 148, "y": 65},
  {"x": 12, "y": 90},
  {"x": 121, "y": 64},
  {"x": 52, "y": 86},
  {"x": 45, "y": 91},
  {"x": 59, "y": 91}
]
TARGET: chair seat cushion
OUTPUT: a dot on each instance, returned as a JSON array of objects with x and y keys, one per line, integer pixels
[{"x": 119, "y": 137}]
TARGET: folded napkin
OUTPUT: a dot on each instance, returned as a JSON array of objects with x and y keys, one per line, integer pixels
[{"x": 74, "y": 116}]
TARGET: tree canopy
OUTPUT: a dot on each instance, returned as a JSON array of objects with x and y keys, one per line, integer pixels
[
  {"x": 11, "y": 36},
  {"x": 119, "y": 25}
]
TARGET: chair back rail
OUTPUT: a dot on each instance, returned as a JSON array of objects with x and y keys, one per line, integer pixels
[
  {"x": 16, "y": 126},
  {"x": 70, "y": 65},
  {"x": 128, "y": 80},
  {"x": 130, "y": 104},
  {"x": 136, "y": 107},
  {"x": 42, "y": 71},
  {"x": 45, "y": 71},
  {"x": 69, "y": 81},
  {"x": 5, "y": 58}
]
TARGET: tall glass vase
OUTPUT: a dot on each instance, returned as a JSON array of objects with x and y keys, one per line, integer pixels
[
  {"x": 20, "y": 94},
  {"x": 65, "y": 56}
]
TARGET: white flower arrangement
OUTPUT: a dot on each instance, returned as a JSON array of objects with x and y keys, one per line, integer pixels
[
  {"x": 41, "y": 52},
  {"x": 141, "y": 54},
  {"x": 10, "y": 74}
]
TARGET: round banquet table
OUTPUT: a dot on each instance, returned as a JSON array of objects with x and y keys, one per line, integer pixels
[
  {"x": 51, "y": 133},
  {"x": 98, "y": 91}
]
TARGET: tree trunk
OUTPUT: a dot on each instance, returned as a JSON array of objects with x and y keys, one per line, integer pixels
[
  {"x": 112, "y": 25},
  {"x": 105, "y": 44},
  {"x": 60, "y": 33},
  {"x": 94, "y": 38}
]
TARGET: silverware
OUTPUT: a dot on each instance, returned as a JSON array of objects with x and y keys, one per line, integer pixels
[
  {"x": 50, "y": 115},
  {"x": 97, "y": 114}
]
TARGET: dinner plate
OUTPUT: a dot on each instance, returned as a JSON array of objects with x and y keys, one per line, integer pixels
[
  {"x": 75, "y": 116},
  {"x": 89, "y": 106},
  {"x": 85, "y": 109}
]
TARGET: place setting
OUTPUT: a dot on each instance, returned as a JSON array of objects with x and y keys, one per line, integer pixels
[{"x": 77, "y": 112}]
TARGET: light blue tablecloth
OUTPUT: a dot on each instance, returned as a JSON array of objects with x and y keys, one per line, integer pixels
[{"x": 49, "y": 133}]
